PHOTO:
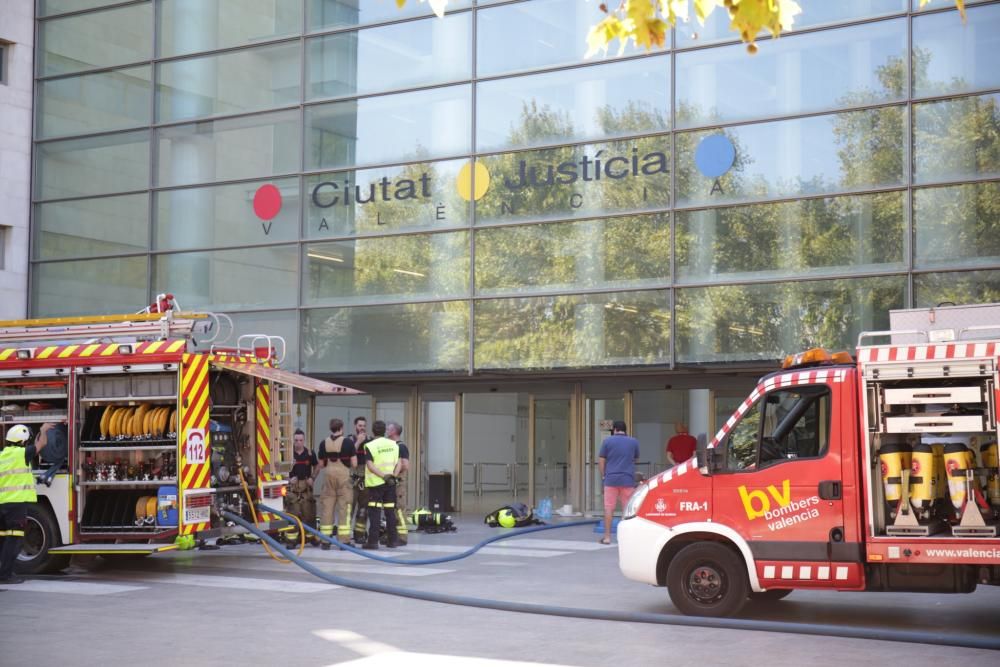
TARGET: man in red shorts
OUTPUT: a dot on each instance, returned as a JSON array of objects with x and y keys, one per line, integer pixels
[{"x": 617, "y": 460}]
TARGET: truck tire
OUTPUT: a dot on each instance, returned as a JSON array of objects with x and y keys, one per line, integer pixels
[
  {"x": 41, "y": 533},
  {"x": 772, "y": 595},
  {"x": 707, "y": 579}
]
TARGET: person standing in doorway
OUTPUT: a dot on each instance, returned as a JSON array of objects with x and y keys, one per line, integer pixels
[
  {"x": 680, "y": 447},
  {"x": 617, "y": 458}
]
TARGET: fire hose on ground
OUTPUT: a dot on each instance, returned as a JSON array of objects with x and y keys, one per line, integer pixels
[{"x": 819, "y": 629}]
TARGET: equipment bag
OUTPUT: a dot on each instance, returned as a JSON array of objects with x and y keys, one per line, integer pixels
[
  {"x": 514, "y": 515},
  {"x": 431, "y": 522}
]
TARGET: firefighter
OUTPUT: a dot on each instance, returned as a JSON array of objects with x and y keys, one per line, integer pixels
[
  {"x": 382, "y": 465},
  {"x": 337, "y": 458},
  {"x": 300, "y": 501},
  {"x": 358, "y": 440},
  {"x": 394, "y": 431},
  {"x": 17, "y": 490}
]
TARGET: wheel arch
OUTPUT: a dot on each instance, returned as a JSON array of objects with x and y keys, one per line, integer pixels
[{"x": 706, "y": 532}]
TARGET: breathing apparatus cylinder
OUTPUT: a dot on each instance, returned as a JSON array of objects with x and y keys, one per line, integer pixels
[
  {"x": 991, "y": 460},
  {"x": 922, "y": 475},
  {"x": 957, "y": 460},
  {"x": 940, "y": 475},
  {"x": 891, "y": 459}
]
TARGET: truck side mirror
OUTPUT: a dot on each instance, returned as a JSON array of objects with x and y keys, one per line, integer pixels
[{"x": 714, "y": 459}]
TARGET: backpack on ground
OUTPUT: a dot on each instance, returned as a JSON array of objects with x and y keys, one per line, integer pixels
[
  {"x": 431, "y": 522},
  {"x": 515, "y": 515}
]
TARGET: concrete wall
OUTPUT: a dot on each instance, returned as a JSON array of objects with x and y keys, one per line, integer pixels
[{"x": 16, "y": 26}]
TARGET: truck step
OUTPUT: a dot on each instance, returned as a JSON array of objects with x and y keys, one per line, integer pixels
[{"x": 97, "y": 548}]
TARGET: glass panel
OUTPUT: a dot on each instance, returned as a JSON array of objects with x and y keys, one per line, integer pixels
[
  {"x": 230, "y": 83},
  {"x": 952, "y": 55},
  {"x": 284, "y": 323},
  {"x": 956, "y": 139},
  {"x": 93, "y": 102},
  {"x": 229, "y": 279},
  {"x": 91, "y": 287},
  {"x": 407, "y": 337},
  {"x": 938, "y": 4},
  {"x": 52, "y": 7},
  {"x": 96, "y": 39},
  {"x": 618, "y": 252},
  {"x": 629, "y": 97},
  {"x": 796, "y": 425},
  {"x": 87, "y": 227},
  {"x": 189, "y": 26},
  {"x": 932, "y": 289},
  {"x": 574, "y": 181},
  {"x": 814, "y": 12},
  {"x": 368, "y": 61},
  {"x": 386, "y": 268},
  {"x": 813, "y": 236},
  {"x": 417, "y": 125},
  {"x": 797, "y": 74},
  {"x": 804, "y": 156},
  {"x": 549, "y": 32},
  {"x": 574, "y": 331},
  {"x": 385, "y": 200},
  {"x": 92, "y": 166},
  {"x": 655, "y": 416},
  {"x": 226, "y": 215},
  {"x": 329, "y": 14},
  {"x": 494, "y": 450},
  {"x": 551, "y": 453},
  {"x": 229, "y": 149},
  {"x": 768, "y": 321},
  {"x": 438, "y": 476},
  {"x": 741, "y": 445},
  {"x": 958, "y": 226}
]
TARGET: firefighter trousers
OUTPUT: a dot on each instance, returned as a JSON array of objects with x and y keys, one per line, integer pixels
[
  {"x": 361, "y": 514},
  {"x": 402, "y": 534},
  {"x": 382, "y": 497},
  {"x": 13, "y": 519},
  {"x": 335, "y": 502},
  {"x": 301, "y": 503}
]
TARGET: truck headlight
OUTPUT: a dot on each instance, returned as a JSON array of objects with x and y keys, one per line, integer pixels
[{"x": 635, "y": 502}]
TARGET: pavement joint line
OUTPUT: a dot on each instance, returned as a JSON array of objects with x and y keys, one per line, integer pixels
[{"x": 75, "y": 587}]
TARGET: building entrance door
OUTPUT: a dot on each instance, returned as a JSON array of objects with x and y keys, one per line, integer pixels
[
  {"x": 551, "y": 420},
  {"x": 495, "y": 453},
  {"x": 601, "y": 412}
]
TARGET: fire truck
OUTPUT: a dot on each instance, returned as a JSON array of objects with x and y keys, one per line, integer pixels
[
  {"x": 872, "y": 473},
  {"x": 158, "y": 424}
]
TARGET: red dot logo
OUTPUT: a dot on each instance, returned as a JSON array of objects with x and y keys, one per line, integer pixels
[{"x": 267, "y": 202}]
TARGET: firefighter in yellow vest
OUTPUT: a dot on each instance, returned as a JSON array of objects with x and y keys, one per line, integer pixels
[
  {"x": 17, "y": 490},
  {"x": 394, "y": 431},
  {"x": 382, "y": 465},
  {"x": 337, "y": 456}
]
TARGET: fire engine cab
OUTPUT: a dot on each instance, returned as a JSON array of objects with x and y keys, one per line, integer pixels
[
  {"x": 157, "y": 425},
  {"x": 878, "y": 473}
]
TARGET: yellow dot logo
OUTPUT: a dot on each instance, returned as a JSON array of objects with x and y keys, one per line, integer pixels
[{"x": 473, "y": 174}]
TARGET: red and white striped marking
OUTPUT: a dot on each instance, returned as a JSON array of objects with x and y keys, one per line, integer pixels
[
  {"x": 777, "y": 572},
  {"x": 931, "y": 352}
]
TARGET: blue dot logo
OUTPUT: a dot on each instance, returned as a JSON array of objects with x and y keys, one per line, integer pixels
[{"x": 715, "y": 155}]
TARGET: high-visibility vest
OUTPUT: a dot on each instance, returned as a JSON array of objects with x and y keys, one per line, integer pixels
[
  {"x": 17, "y": 484},
  {"x": 383, "y": 453}
]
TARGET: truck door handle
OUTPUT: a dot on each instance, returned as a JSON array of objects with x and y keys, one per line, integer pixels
[{"x": 830, "y": 490}]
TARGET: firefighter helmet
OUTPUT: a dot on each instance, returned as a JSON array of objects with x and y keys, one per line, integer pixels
[
  {"x": 18, "y": 435},
  {"x": 506, "y": 518}
]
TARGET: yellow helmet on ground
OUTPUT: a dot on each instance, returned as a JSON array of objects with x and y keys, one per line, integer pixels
[
  {"x": 506, "y": 518},
  {"x": 18, "y": 434}
]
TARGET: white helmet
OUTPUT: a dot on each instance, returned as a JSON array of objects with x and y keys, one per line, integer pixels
[{"x": 18, "y": 434}]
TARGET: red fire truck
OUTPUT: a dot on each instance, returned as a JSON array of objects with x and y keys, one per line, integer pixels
[
  {"x": 877, "y": 473},
  {"x": 158, "y": 425}
]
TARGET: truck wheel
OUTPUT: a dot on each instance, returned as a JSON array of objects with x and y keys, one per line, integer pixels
[
  {"x": 707, "y": 579},
  {"x": 41, "y": 533},
  {"x": 771, "y": 596}
]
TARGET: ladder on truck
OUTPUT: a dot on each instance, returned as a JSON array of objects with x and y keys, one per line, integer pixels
[
  {"x": 281, "y": 424},
  {"x": 132, "y": 326}
]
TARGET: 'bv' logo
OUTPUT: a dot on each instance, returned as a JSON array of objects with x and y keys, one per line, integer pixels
[{"x": 757, "y": 504}]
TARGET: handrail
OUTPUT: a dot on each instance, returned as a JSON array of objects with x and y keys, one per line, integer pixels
[
  {"x": 268, "y": 340},
  {"x": 869, "y": 334},
  {"x": 978, "y": 327}
]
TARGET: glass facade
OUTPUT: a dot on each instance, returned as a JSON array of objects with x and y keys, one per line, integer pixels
[{"x": 396, "y": 193}]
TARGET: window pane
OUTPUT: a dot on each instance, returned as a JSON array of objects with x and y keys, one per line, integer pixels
[
  {"x": 769, "y": 320},
  {"x": 814, "y": 12},
  {"x": 97, "y": 39},
  {"x": 956, "y": 139},
  {"x": 629, "y": 97},
  {"x": 91, "y": 287},
  {"x": 386, "y": 268},
  {"x": 805, "y": 156},
  {"x": 92, "y": 166},
  {"x": 391, "y": 128},
  {"x": 406, "y": 337},
  {"x": 385, "y": 200},
  {"x": 224, "y": 279},
  {"x": 796, "y": 425},
  {"x": 189, "y": 26},
  {"x": 575, "y": 181},
  {"x": 52, "y": 7},
  {"x": 231, "y": 83},
  {"x": 958, "y": 226},
  {"x": 814, "y": 236},
  {"x": 328, "y": 14},
  {"x": 952, "y": 55},
  {"x": 618, "y": 329},
  {"x": 941, "y": 3},
  {"x": 88, "y": 227},
  {"x": 225, "y": 215},
  {"x": 931, "y": 289},
  {"x": 230, "y": 149},
  {"x": 618, "y": 252},
  {"x": 284, "y": 323},
  {"x": 548, "y": 32},
  {"x": 742, "y": 442},
  {"x": 864, "y": 64},
  {"x": 368, "y": 61},
  {"x": 93, "y": 102}
]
